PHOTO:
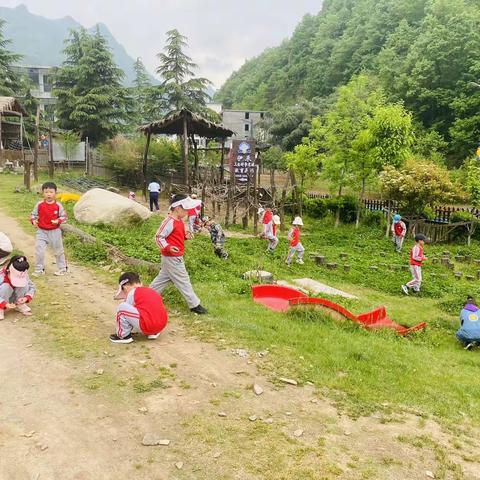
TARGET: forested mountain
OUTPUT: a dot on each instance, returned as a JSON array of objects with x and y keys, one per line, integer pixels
[
  {"x": 40, "y": 40},
  {"x": 424, "y": 52}
]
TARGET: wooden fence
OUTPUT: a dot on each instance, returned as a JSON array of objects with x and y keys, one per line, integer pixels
[{"x": 442, "y": 213}]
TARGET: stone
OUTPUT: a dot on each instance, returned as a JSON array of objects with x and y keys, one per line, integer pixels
[
  {"x": 30, "y": 434},
  {"x": 347, "y": 433},
  {"x": 470, "y": 278},
  {"x": 374, "y": 267},
  {"x": 98, "y": 206},
  {"x": 179, "y": 465},
  {"x": 259, "y": 275},
  {"x": 217, "y": 454},
  {"x": 459, "y": 258},
  {"x": 429, "y": 474},
  {"x": 317, "y": 288},
  {"x": 288, "y": 380},
  {"x": 332, "y": 266},
  {"x": 445, "y": 260},
  {"x": 343, "y": 255},
  {"x": 298, "y": 433},
  {"x": 99, "y": 371},
  {"x": 143, "y": 410},
  {"x": 257, "y": 389},
  {"x": 253, "y": 418},
  {"x": 222, "y": 414},
  {"x": 152, "y": 440},
  {"x": 268, "y": 421},
  {"x": 241, "y": 352},
  {"x": 320, "y": 260},
  {"x": 346, "y": 268},
  {"x": 478, "y": 274},
  {"x": 458, "y": 275}
]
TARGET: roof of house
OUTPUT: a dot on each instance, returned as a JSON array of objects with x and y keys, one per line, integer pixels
[
  {"x": 173, "y": 125},
  {"x": 11, "y": 104}
]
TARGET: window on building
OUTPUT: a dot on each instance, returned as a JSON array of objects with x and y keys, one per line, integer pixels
[
  {"x": 47, "y": 83},
  {"x": 247, "y": 115},
  {"x": 33, "y": 77},
  {"x": 247, "y": 127}
]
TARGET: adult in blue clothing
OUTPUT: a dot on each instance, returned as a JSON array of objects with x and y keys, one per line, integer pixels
[{"x": 469, "y": 331}]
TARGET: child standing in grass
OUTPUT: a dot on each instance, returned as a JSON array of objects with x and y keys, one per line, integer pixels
[
  {"x": 194, "y": 216},
  {"x": 47, "y": 216},
  {"x": 217, "y": 237},
  {"x": 416, "y": 260},
  {"x": 16, "y": 289},
  {"x": 171, "y": 237},
  {"x": 469, "y": 331},
  {"x": 399, "y": 230},
  {"x": 142, "y": 310},
  {"x": 295, "y": 245},
  {"x": 269, "y": 229}
]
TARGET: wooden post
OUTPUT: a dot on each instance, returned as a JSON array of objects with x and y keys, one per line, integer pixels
[
  {"x": 144, "y": 167},
  {"x": 1, "y": 145},
  {"x": 51, "y": 166},
  {"x": 26, "y": 172},
  {"x": 35, "y": 145},
  {"x": 195, "y": 154},
  {"x": 255, "y": 202},
  {"x": 387, "y": 231},
  {"x": 222, "y": 160},
  {"x": 185, "y": 151}
]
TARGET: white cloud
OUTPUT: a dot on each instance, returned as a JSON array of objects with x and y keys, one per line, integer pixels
[{"x": 222, "y": 34}]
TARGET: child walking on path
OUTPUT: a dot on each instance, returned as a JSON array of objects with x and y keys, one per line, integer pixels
[
  {"x": 171, "y": 238},
  {"x": 217, "y": 236},
  {"x": 142, "y": 310},
  {"x": 399, "y": 230},
  {"x": 416, "y": 260},
  {"x": 16, "y": 289},
  {"x": 194, "y": 216},
  {"x": 47, "y": 216},
  {"x": 154, "y": 190},
  {"x": 295, "y": 245},
  {"x": 469, "y": 331}
]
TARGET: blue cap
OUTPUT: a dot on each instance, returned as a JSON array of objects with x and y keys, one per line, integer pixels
[{"x": 397, "y": 218}]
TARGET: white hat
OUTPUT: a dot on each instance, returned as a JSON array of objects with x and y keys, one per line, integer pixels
[
  {"x": 6, "y": 247},
  {"x": 276, "y": 220},
  {"x": 298, "y": 221},
  {"x": 193, "y": 195},
  {"x": 260, "y": 210},
  {"x": 187, "y": 203}
]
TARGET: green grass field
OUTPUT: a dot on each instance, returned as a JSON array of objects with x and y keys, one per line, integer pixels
[{"x": 428, "y": 373}]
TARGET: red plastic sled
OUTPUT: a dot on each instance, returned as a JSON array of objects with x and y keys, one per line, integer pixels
[{"x": 280, "y": 299}]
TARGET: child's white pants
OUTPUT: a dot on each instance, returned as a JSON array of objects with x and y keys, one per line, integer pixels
[
  {"x": 272, "y": 242},
  {"x": 54, "y": 239},
  {"x": 128, "y": 320},
  {"x": 417, "y": 278},
  {"x": 297, "y": 248},
  {"x": 173, "y": 270}
]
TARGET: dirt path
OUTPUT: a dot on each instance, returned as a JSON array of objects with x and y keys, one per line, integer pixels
[{"x": 74, "y": 406}]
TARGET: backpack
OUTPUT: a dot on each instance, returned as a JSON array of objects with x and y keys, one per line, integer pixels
[{"x": 398, "y": 227}]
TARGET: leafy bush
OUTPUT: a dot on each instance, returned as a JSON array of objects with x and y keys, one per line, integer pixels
[
  {"x": 461, "y": 216},
  {"x": 316, "y": 207},
  {"x": 371, "y": 219},
  {"x": 348, "y": 206}
]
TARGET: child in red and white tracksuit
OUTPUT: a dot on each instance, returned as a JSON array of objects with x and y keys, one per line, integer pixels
[
  {"x": 295, "y": 245},
  {"x": 269, "y": 228},
  {"x": 47, "y": 216},
  {"x": 399, "y": 230},
  {"x": 194, "y": 224},
  {"x": 142, "y": 310},
  {"x": 171, "y": 237},
  {"x": 416, "y": 260}
]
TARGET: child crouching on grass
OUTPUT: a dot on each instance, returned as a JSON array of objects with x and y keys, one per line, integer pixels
[
  {"x": 16, "y": 289},
  {"x": 295, "y": 245},
  {"x": 217, "y": 236},
  {"x": 142, "y": 310}
]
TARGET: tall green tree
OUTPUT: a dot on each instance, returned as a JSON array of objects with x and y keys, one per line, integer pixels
[
  {"x": 9, "y": 79},
  {"x": 181, "y": 89},
  {"x": 91, "y": 98},
  {"x": 142, "y": 95}
]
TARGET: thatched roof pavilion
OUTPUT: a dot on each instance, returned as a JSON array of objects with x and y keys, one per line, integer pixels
[
  {"x": 187, "y": 124},
  {"x": 11, "y": 129}
]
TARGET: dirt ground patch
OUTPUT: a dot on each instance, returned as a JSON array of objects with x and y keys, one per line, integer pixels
[{"x": 74, "y": 406}]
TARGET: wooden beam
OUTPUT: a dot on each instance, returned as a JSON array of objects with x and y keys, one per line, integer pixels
[{"x": 185, "y": 151}]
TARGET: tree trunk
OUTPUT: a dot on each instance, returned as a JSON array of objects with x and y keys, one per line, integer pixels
[
  {"x": 389, "y": 216},
  {"x": 195, "y": 155},
  {"x": 35, "y": 145},
  {"x": 26, "y": 172},
  {"x": 51, "y": 165},
  {"x": 255, "y": 204},
  {"x": 272, "y": 185},
  {"x": 294, "y": 190},
  {"x": 360, "y": 203},
  {"x": 144, "y": 167},
  {"x": 185, "y": 153},
  {"x": 282, "y": 204}
]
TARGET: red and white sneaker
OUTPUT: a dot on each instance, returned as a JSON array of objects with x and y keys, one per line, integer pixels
[
  {"x": 2, "y": 313},
  {"x": 24, "y": 310}
]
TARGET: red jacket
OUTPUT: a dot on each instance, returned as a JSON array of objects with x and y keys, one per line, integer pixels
[
  {"x": 294, "y": 236},
  {"x": 416, "y": 256},
  {"x": 46, "y": 212},
  {"x": 153, "y": 315},
  {"x": 171, "y": 234}
]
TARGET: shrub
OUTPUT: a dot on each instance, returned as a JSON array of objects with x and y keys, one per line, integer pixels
[
  {"x": 372, "y": 219},
  {"x": 348, "y": 207},
  {"x": 316, "y": 207}
]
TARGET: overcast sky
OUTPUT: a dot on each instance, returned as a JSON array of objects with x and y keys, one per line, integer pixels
[{"x": 222, "y": 33}]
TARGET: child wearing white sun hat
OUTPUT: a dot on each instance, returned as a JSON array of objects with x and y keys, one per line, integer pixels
[{"x": 295, "y": 245}]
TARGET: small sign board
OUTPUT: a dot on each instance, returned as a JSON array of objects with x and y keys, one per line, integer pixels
[{"x": 242, "y": 160}]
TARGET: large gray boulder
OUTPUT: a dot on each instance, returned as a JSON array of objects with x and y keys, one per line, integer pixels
[{"x": 101, "y": 206}]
